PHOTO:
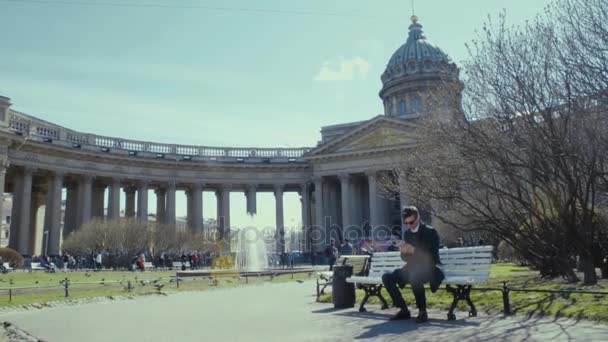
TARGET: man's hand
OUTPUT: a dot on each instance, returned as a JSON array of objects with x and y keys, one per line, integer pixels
[{"x": 406, "y": 248}]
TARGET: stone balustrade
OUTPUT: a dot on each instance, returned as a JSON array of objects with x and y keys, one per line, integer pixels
[{"x": 40, "y": 130}]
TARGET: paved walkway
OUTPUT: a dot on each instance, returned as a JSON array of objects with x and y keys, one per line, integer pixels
[{"x": 276, "y": 312}]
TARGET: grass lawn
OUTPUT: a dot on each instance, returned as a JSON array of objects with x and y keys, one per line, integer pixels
[
  {"x": 47, "y": 287},
  {"x": 594, "y": 307}
]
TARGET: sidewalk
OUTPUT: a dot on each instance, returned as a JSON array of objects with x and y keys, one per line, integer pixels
[{"x": 284, "y": 311}]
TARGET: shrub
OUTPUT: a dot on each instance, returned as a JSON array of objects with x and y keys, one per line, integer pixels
[
  {"x": 12, "y": 257},
  {"x": 223, "y": 262}
]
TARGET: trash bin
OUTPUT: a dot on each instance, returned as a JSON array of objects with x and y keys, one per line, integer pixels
[{"x": 342, "y": 293}]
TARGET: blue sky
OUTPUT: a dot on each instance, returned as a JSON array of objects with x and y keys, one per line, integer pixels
[{"x": 251, "y": 73}]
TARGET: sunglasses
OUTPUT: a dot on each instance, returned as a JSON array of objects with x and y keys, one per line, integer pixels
[{"x": 411, "y": 222}]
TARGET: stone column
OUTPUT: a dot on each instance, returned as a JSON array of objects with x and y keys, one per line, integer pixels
[
  {"x": 99, "y": 191},
  {"x": 251, "y": 193},
  {"x": 142, "y": 200},
  {"x": 54, "y": 235},
  {"x": 319, "y": 231},
  {"x": 189, "y": 206},
  {"x": 279, "y": 218},
  {"x": 129, "y": 201},
  {"x": 346, "y": 199},
  {"x": 37, "y": 227},
  {"x": 160, "y": 205},
  {"x": 170, "y": 211},
  {"x": 224, "y": 220},
  {"x": 24, "y": 213},
  {"x": 197, "y": 207},
  {"x": 374, "y": 219},
  {"x": 3, "y": 166},
  {"x": 114, "y": 200},
  {"x": 71, "y": 209},
  {"x": 87, "y": 193},
  {"x": 218, "y": 211},
  {"x": 305, "y": 200},
  {"x": 13, "y": 241}
]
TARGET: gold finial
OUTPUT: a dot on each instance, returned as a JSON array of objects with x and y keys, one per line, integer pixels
[{"x": 414, "y": 19}]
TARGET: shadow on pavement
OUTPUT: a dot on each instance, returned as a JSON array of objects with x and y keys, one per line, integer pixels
[{"x": 400, "y": 327}]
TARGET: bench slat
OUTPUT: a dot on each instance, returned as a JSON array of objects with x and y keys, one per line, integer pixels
[{"x": 461, "y": 266}]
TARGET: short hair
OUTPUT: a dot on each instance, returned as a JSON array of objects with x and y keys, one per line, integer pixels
[{"x": 409, "y": 211}]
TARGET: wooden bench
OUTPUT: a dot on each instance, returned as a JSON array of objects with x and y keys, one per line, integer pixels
[
  {"x": 148, "y": 265},
  {"x": 178, "y": 265},
  {"x": 37, "y": 266},
  {"x": 462, "y": 267},
  {"x": 325, "y": 278},
  {"x": 7, "y": 267}
]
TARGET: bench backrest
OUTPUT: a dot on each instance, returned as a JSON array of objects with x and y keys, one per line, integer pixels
[
  {"x": 385, "y": 262},
  {"x": 468, "y": 265},
  {"x": 463, "y": 264},
  {"x": 358, "y": 262}
]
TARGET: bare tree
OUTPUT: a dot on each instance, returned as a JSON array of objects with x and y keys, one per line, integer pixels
[{"x": 525, "y": 157}]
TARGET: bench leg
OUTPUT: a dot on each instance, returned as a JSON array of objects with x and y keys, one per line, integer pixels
[
  {"x": 461, "y": 292},
  {"x": 318, "y": 292},
  {"x": 379, "y": 295},
  {"x": 364, "y": 301}
]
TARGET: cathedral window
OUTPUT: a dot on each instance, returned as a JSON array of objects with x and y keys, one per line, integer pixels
[
  {"x": 402, "y": 108},
  {"x": 417, "y": 104}
]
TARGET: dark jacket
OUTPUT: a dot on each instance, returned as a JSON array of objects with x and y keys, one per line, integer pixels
[{"x": 426, "y": 254}]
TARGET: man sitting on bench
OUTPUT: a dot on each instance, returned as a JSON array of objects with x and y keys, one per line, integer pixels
[{"x": 420, "y": 250}]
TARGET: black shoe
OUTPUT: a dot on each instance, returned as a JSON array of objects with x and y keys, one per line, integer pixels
[
  {"x": 422, "y": 317},
  {"x": 401, "y": 315}
]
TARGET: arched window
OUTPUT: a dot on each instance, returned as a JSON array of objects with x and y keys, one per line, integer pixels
[
  {"x": 402, "y": 108},
  {"x": 417, "y": 104}
]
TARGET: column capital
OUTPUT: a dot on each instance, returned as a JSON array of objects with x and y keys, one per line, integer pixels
[
  {"x": 145, "y": 181},
  {"x": 29, "y": 170},
  {"x": 252, "y": 186},
  {"x": 4, "y": 164},
  {"x": 58, "y": 173},
  {"x": 225, "y": 187},
  {"x": 160, "y": 191},
  {"x": 344, "y": 177},
  {"x": 278, "y": 188},
  {"x": 317, "y": 179},
  {"x": 371, "y": 173},
  {"x": 87, "y": 177},
  {"x": 197, "y": 186},
  {"x": 129, "y": 189}
]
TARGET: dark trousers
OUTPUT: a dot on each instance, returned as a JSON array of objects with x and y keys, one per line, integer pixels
[
  {"x": 416, "y": 276},
  {"x": 332, "y": 262}
]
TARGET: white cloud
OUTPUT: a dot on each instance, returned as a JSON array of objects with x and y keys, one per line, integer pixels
[{"x": 343, "y": 70}]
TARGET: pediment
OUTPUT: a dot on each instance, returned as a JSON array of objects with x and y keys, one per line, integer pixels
[
  {"x": 376, "y": 134},
  {"x": 376, "y": 138}
]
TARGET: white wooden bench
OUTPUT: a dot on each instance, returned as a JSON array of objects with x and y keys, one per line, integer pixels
[
  {"x": 37, "y": 266},
  {"x": 7, "y": 267},
  {"x": 178, "y": 265},
  {"x": 148, "y": 265},
  {"x": 325, "y": 278},
  {"x": 462, "y": 267}
]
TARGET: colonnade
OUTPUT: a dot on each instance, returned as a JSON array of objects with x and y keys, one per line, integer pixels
[{"x": 341, "y": 205}]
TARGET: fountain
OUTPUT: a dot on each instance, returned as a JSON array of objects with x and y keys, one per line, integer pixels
[{"x": 250, "y": 250}]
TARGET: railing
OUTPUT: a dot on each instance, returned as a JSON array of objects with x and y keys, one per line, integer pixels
[{"x": 36, "y": 129}]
